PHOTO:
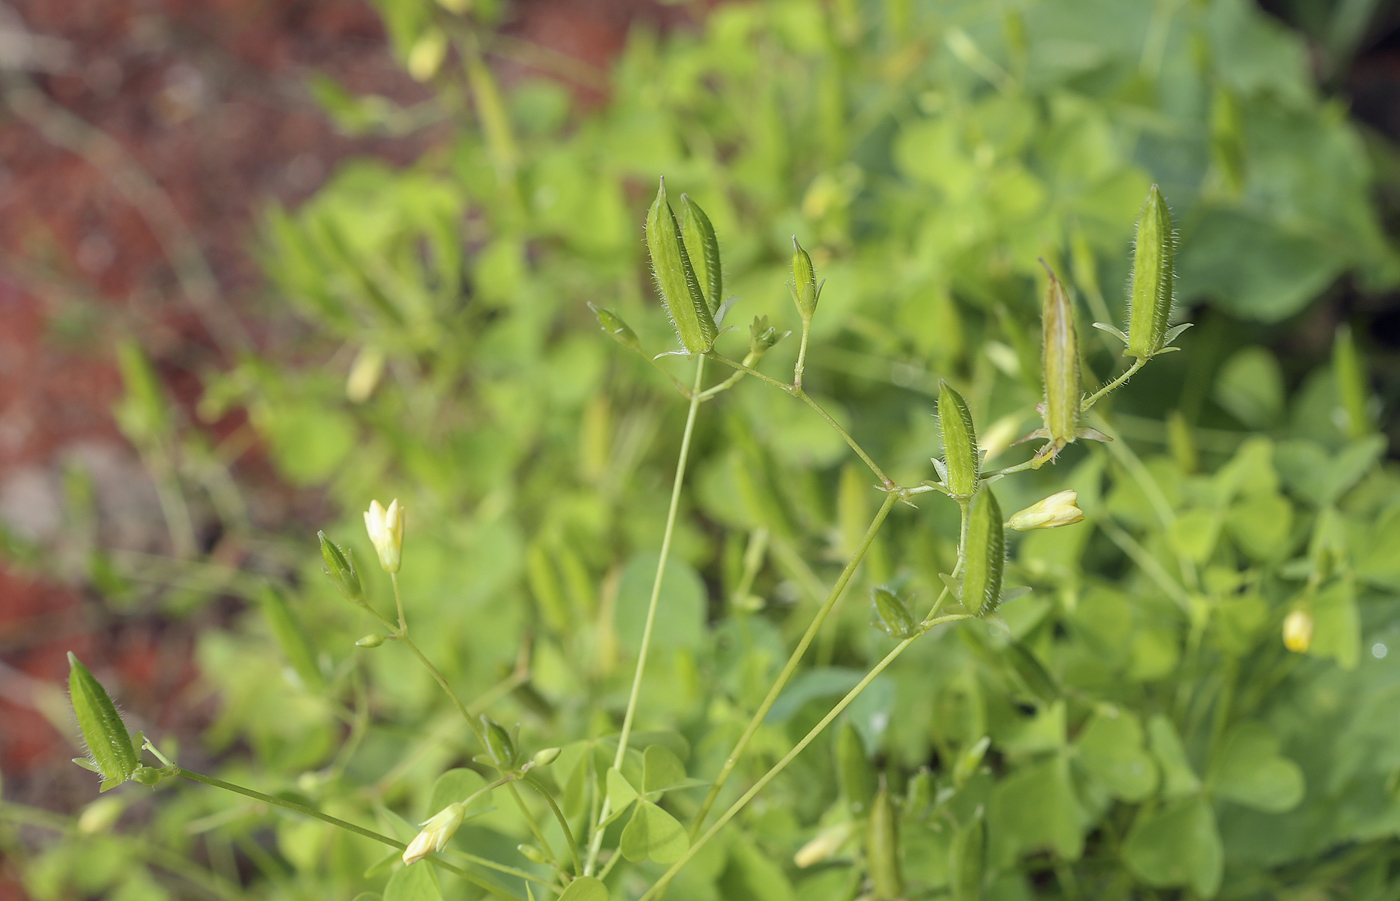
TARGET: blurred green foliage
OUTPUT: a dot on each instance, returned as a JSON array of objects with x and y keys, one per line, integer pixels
[{"x": 1142, "y": 727}]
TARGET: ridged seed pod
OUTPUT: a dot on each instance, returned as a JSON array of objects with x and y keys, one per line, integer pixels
[
  {"x": 703, "y": 247},
  {"x": 1150, "y": 299},
  {"x": 959, "y": 442},
  {"x": 985, "y": 555},
  {"x": 895, "y": 618},
  {"x": 676, "y": 279},
  {"x": 108, "y": 742},
  {"x": 1060, "y": 365},
  {"x": 805, "y": 289},
  {"x": 882, "y": 848},
  {"x": 853, "y": 769},
  {"x": 967, "y": 861}
]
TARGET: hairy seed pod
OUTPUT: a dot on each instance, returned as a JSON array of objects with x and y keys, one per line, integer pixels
[
  {"x": 108, "y": 742},
  {"x": 675, "y": 278},
  {"x": 1150, "y": 299},
  {"x": 985, "y": 558},
  {"x": 853, "y": 768},
  {"x": 895, "y": 618},
  {"x": 340, "y": 569},
  {"x": 967, "y": 861},
  {"x": 1060, "y": 365},
  {"x": 804, "y": 282},
  {"x": 498, "y": 742},
  {"x": 703, "y": 247},
  {"x": 612, "y": 324},
  {"x": 882, "y": 848},
  {"x": 959, "y": 442}
]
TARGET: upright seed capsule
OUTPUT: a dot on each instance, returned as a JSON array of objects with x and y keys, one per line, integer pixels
[
  {"x": 1150, "y": 300},
  {"x": 967, "y": 861},
  {"x": 882, "y": 848},
  {"x": 108, "y": 742},
  {"x": 675, "y": 278},
  {"x": 1349, "y": 375},
  {"x": 985, "y": 555},
  {"x": 895, "y": 618},
  {"x": 856, "y": 775},
  {"x": 959, "y": 442},
  {"x": 805, "y": 290},
  {"x": 1060, "y": 365},
  {"x": 703, "y": 248}
]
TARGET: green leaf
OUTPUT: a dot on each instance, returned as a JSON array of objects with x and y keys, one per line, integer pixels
[
  {"x": 416, "y": 883},
  {"x": 682, "y": 622},
  {"x": 1249, "y": 770},
  {"x": 1193, "y": 534},
  {"x": 1177, "y": 844},
  {"x": 1250, "y": 387},
  {"x": 620, "y": 791},
  {"x": 108, "y": 741},
  {"x": 653, "y": 833},
  {"x": 1035, "y": 809},
  {"x": 457, "y": 785},
  {"x": 585, "y": 888},
  {"x": 1261, "y": 526},
  {"x": 1111, "y": 748},
  {"x": 1337, "y": 624},
  {"x": 1178, "y": 777},
  {"x": 661, "y": 769}
]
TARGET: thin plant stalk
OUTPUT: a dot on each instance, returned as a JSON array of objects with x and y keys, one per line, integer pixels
[
  {"x": 695, "y": 846},
  {"x": 791, "y": 666},
  {"x": 1127, "y": 374},
  {"x": 631, "y": 711}
]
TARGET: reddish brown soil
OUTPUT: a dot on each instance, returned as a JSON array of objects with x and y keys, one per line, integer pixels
[{"x": 199, "y": 113}]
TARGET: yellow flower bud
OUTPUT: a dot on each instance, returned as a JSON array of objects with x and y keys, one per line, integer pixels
[
  {"x": 1059, "y": 509},
  {"x": 437, "y": 832},
  {"x": 385, "y": 529},
  {"x": 1298, "y": 631}
]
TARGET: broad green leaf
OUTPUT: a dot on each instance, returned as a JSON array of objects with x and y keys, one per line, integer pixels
[
  {"x": 1111, "y": 748},
  {"x": 1177, "y": 844},
  {"x": 457, "y": 785},
  {"x": 680, "y": 620},
  {"x": 1261, "y": 526},
  {"x": 653, "y": 833},
  {"x": 1193, "y": 534},
  {"x": 1249, "y": 770},
  {"x": 661, "y": 769},
  {"x": 413, "y": 883},
  {"x": 1337, "y": 624},
  {"x": 1035, "y": 809},
  {"x": 1250, "y": 387},
  {"x": 585, "y": 888},
  {"x": 1178, "y": 777},
  {"x": 620, "y": 791}
]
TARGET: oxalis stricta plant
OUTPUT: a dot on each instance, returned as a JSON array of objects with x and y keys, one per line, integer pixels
[{"x": 637, "y": 771}]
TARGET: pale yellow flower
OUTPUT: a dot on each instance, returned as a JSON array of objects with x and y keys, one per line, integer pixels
[
  {"x": 1298, "y": 631},
  {"x": 437, "y": 832},
  {"x": 385, "y": 529},
  {"x": 1059, "y": 509}
]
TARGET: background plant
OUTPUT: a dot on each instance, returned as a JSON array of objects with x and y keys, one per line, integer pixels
[{"x": 931, "y": 159}]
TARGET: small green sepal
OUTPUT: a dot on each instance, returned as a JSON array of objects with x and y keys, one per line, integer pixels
[
  {"x": 892, "y": 614},
  {"x": 612, "y": 323},
  {"x": 805, "y": 290},
  {"x": 340, "y": 569}
]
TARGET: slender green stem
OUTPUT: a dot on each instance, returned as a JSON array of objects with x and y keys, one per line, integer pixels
[
  {"x": 796, "y": 391},
  {"x": 398, "y": 603},
  {"x": 778, "y": 767},
  {"x": 1127, "y": 374},
  {"x": 791, "y": 666},
  {"x": 1148, "y": 564},
  {"x": 801, "y": 354},
  {"x": 640, "y": 670},
  {"x": 531, "y": 781},
  {"x": 480, "y": 737},
  {"x": 535, "y": 829},
  {"x": 334, "y": 821}
]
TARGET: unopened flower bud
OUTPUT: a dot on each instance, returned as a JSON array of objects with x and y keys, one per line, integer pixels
[
  {"x": 960, "y": 457},
  {"x": 805, "y": 290},
  {"x": 437, "y": 832},
  {"x": 372, "y": 640},
  {"x": 544, "y": 757},
  {"x": 498, "y": 742},
  {"x": 894, "y": 616},
  {"x": 1060, "y": 365},
  {"x": 823, "y": 846},
  {"x": 340, "y": 569},
  {"x": 1150, "y": 301},
  {"x": 385, "y": 529},
  {"x": 1059, "y": 509},
  {"x": 1298, "y": 631},
  {"x": 532, "y": 854},
  {"x": 612, "y": 324},
  {"x": 112, "y": 752}
]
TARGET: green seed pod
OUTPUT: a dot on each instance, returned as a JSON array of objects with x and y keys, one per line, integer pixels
[
  {"x": 895, "y": 618},
  {"x": 676, "y": 280},
  {"x": 703, "y": 247},
  {"x": 919, "y": 793},
  {"x": 147, "y": 775},
  {"x": 959, "y": 442},
  {"x": 1353, "y": 390},
  {"x": 340, "y": 569},
  {"x": 1150, "y": 299},
  {"x": 105, "y": 734},
  {"x": 370, "y": 641},
  {"x": 498, "y": 742},
  {"x": 985, "y": 555},
  {"x": 612, "y": 324},
  {"x": 853, "y": 768},
  {"x": 882, "y": 848},
  {"x": 804, "y": 287},
  {"x": 967, "y": 861},
  {"x": 1060, "y": 365}
]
